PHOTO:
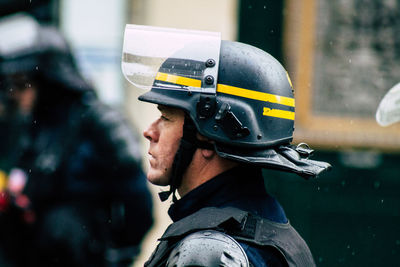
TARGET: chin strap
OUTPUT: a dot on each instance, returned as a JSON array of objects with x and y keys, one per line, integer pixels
[{"x": 188, "y": 145}]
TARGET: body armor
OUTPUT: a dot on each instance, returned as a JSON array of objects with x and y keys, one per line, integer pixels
[{"x": 240, "y": 225}]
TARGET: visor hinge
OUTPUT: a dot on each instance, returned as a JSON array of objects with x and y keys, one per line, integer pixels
[{"x": 230, "y": 124}]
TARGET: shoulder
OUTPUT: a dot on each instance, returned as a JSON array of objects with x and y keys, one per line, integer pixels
[
  {"x": 264, "y": 256},
  {"x": 208, "y": 248}
]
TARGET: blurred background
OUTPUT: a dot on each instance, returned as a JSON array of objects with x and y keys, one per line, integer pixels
[{"x": 342, "y": 56}]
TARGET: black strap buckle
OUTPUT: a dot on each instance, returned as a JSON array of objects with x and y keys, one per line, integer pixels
[{"x": 230, "y": 124}]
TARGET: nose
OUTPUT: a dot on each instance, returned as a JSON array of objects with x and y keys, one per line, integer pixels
[{"x": 151, "y": 133}]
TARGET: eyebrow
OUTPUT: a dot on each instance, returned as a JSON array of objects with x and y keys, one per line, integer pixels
[
  {"x": 168, "y": 111},
  {"x": 165, "y": 109},
  {"x": 162, "y": 108}
]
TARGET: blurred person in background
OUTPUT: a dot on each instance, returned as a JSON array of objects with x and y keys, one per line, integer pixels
[
  {"x": 72, "y": 191},
  {"x": 226, "y": 112},
  {"x": 388, "y": 111}
]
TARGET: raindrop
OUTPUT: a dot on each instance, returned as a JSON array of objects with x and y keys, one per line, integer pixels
[
  {"x": 320, "y": 259},
  {"x": 30, "y": 170},
  {"x": 343, "y": 183},
  {"x": 350, "y": 60},
  {"x": 34, "y": 122},
  {"x": 265, "y": 7},
  {"x": 377, "y": 184},
  {"x": 250, "y": 7},
  {"x": 348, "y": 246},
  {"x": 381, "y": 200},
  {"x": 37, "y": 68},
  {"x": 318, "y": 188},
  {"x": 353, "y": 253},
  {"x": 398, "y": 242}
]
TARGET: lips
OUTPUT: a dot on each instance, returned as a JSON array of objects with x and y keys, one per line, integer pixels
[{"x": 152, "y": 160}]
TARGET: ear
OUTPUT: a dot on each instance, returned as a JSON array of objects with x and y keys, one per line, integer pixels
[{"x": 207, "y": 154}]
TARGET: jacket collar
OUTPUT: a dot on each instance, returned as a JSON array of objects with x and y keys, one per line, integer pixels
[{"x": 223, "y": 190}]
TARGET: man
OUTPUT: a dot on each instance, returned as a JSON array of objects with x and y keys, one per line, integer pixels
[
  {"x": 227, "y": 111},
  {"x": 75, "y": 193}
]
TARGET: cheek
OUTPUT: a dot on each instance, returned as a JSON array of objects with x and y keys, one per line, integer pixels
[
  {"x": 161, "y": 167},
  {"x": 169, "y": 150}
]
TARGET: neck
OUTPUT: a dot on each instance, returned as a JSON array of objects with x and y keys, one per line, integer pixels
[{"x": 202, "y": 169}]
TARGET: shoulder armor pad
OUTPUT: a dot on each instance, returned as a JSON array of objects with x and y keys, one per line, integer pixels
[{"x": 208, "y": 248}]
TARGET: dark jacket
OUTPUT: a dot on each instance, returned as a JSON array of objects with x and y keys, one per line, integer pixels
[
  {"x": 86, "y": 151},
  {"x": 81, "y": 157}
]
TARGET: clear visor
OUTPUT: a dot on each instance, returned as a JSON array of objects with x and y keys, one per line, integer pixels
[
  {"x": 389, "y": 108},
  {"x": 169, "y": 58}
]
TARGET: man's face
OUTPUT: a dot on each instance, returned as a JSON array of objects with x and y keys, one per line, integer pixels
[
  {"x": 164, "y": 135},
  {"x": 19, "y": 95}
]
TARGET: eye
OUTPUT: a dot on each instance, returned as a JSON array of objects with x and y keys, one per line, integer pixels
[{"x": 164, "y": 118}]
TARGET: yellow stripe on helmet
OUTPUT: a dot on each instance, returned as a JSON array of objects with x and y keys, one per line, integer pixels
[
  {"x": 178, "y": 80},
  {"x": 237, "y": 91},
  {"x": 227, "y": 89},
  {"x": 278, "y": 113},
  {"x": 232, "y": 90}
]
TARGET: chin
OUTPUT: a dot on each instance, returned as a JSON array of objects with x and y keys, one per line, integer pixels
[{"x": 157, "y": 178}]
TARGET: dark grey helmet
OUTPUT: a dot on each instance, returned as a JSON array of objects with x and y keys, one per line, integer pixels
[
  {"x": 236, "y": 95},
  {"x": 253, "y": 105},
  {"x": 251, "y": 115}
]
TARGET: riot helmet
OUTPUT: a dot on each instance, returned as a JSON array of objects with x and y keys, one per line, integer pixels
[
  {"x": 38, "y": 51},
  {"x": 234, "y": 94}
]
